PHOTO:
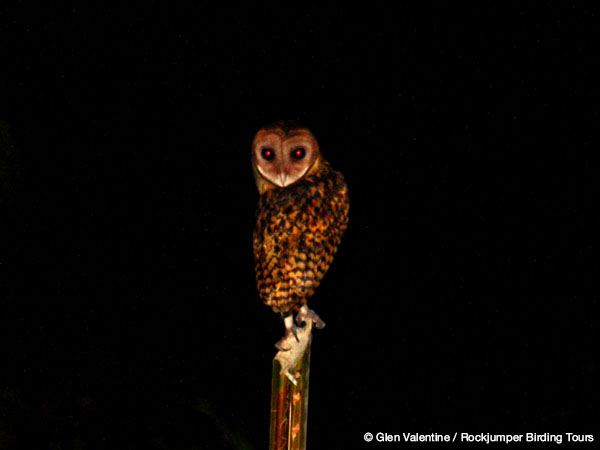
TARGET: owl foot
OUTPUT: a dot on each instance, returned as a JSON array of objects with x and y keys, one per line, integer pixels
[
  {"x": 294, "y": 326},
  {"x": 291, "y": 335},
  {"x": 309, "y": 314}
]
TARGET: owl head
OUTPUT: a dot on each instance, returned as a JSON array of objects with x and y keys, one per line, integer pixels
[{"x": 282, "y": 154}]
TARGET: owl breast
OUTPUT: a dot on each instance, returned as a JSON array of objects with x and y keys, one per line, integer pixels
[{"x": 297, "y": 233}]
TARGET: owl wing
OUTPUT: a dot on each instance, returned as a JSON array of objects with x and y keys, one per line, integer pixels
[
  {"x": 278, "y": 256},
  {"x": 294, "y": 244}
]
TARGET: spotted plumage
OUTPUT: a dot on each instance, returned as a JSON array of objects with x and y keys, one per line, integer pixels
[{"x": 301, "y": 217}]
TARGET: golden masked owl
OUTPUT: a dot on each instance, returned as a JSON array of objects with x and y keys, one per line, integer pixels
[{"x": 301, "y": 217}]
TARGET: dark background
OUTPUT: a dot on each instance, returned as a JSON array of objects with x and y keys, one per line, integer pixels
[{"x": 461, "y": 296}]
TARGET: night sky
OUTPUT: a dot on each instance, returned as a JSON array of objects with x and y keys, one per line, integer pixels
[{"x": 461, "y": 298}]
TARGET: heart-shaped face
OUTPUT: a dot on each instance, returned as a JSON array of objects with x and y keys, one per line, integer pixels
[{"x": 283, "y": 156}]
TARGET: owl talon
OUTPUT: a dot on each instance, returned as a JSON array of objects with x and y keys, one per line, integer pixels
[{"x": 305, "y": 313}]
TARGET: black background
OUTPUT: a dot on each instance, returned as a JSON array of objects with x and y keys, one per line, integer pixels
[{"x": 461, "y": 296}]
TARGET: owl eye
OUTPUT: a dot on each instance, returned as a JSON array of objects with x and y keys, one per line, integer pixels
[
  {"x": 298, "y": 153},
  {"x": 267, "y": 153}
]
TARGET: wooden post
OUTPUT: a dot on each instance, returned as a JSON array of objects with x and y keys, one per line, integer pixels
[{"x": 289, "y": 394}]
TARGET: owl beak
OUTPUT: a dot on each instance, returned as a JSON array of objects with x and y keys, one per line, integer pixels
[{"x": 283, "y": 178}]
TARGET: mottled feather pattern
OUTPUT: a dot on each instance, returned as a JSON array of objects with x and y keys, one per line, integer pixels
[{"x": 297, "y": 233}]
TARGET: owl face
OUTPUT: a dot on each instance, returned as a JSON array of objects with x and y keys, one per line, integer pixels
[{"x": 283, "y": 156}]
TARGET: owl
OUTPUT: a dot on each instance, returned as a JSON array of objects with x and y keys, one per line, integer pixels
[{"x": 301, "y": 217}]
